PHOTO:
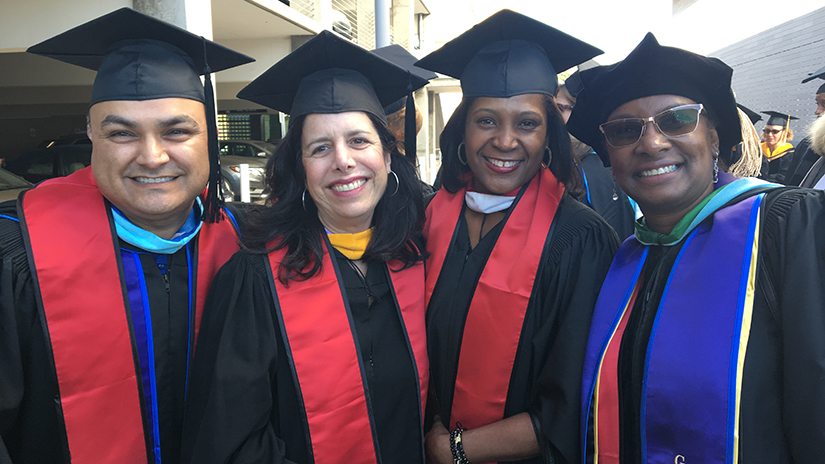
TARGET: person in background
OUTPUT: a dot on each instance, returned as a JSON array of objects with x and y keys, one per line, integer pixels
[
  {"x": 776, "y": 145},
  {"x": 804, "y": 157},
  {"x": 815, "y": 178},
  {"x": 707, "y": 341},
  {"x": 601, "y": 192},
  {"x": 516, "y": 261},
  {"x": 396, "y": 111},
  {"x": 313, "y": 343},
  {"x": 105, "y": 272}
]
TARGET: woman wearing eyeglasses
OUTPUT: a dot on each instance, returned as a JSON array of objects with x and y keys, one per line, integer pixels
[
  {"x": 708, "y": 338},
  {"x": 776, "y": 146}
]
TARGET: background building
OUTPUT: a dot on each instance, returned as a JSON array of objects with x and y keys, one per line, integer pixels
[{"x": 41, "y": 99}]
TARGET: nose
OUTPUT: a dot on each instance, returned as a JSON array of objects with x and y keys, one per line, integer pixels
[
  {"x": 343, "y": 157},
  {"x": 652, "y": 140},
  {"x": 505, "y": 139},
  {"x": 153, "y": 154}
]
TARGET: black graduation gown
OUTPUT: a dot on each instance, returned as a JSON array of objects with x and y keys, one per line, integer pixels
[
  {"x": 546, "y": 376},
  {"x": 783, "y": 388},
  {"x": 30, "y": 426},
  {"x": 243, "y": 404},
  {"x": 601, "y": 187},
  {"x": 803, "y": 158},
  {"x": 813, "y": 176},
  {"x": 777, "y": 168}
]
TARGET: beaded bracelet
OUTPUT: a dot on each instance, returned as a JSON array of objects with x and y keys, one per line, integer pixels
[{"x": 456, "y": 446}]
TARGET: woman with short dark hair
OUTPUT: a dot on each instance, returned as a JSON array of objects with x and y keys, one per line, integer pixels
[{"x": 516, "y": 261}]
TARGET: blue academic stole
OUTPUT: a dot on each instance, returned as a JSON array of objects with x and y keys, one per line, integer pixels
[{"x": 696, "y": 352}]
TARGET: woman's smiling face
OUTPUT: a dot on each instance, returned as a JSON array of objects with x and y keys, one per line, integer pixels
[
  {"x": 346, "y": 169},
  {"x": 666, "y": 176},
  {"x": 504, "y": 140}
]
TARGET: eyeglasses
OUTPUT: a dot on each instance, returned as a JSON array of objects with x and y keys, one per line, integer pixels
[
  {"x": 673, "y": 122},
  {"x": 771, "y": 131}
]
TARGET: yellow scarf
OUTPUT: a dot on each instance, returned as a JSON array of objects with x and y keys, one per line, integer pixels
[
  {"x": 351, "y": 245},
  {"x": 780, "y": 151}
]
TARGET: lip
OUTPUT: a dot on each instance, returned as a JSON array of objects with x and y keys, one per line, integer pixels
[
  {"x": 349, "y": 180},
  {"x": 502, "y": 169}
]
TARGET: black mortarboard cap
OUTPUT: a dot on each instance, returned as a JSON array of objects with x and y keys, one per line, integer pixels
[
  {"x": 400, "y": 56},
  {"x": 509, "y": 54},
  {"x": 138, "y": 57},
  {"x": 778, "y": 119},
  {"x": 573, "y": 83},
  {"x": 751, "y": 114},
  {"x": 651, "y": 69},
  {"x": 818, "y": 74},
  {"x": 328, "y": 74}
]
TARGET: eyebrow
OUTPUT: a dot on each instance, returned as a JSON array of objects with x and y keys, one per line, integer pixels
[
  {"x": 326, "y": 138},
  {"x": 113, "y": 119},
  {"x": 522, "y": 114}
]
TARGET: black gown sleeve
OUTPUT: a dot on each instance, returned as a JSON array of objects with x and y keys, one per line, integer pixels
[
  {"x": 578, "y": 258},
  {"x": 231, "y": 410},
  {"x": 29, "y": 426},
  {"x": 792, "y": 285}
]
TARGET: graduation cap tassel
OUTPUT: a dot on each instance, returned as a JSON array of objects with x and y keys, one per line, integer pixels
[
  {"x": 214, "y": 201},
  {"x": 409, "y": 124}
]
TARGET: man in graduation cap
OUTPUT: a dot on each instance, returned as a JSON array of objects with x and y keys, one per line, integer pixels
[
  {"x": 804, "y": 157},
  {"x": 105, "y": 271},
  {"x": 776, "y": 146}
]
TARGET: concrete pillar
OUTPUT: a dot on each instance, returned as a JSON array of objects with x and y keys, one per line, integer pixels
[{"x": 382, "y": 23}]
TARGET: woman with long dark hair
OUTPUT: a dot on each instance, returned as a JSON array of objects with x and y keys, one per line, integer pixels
[
  {"x": 707, "y": 339},
  {"x": 312, "y": 347},
  {"x": 515, "y": 260}
]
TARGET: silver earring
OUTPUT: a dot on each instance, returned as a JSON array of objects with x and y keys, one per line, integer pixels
[
  {"x": 715, "y": 165},
  {"x": 397, "y": 183},
  {"x": 548, "y": 153},
  {"x": 458, "y": 153},
  {"x": 304, "y": 199}
]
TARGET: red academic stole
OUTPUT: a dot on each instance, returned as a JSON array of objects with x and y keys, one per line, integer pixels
[
  {"x": 75, "y": 261},
  {"x": 496, "y": 314},
  {"x": 326, "y": 362}
]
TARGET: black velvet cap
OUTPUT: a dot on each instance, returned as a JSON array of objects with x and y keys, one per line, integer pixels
[
  {"x": 778, "y": 119},
  {"x": 573, "y": 83},
  {"x": 752, "y": 115},
  {"x": 330, "y": 75},
  {"x": 138, "y": 57},
  {"x": 651, "y": 69},
  {"x": 508, "y": 54},
  {"x": 400, "y": 56}
]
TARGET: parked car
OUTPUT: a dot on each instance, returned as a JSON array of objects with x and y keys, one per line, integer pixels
[
  {"x": 231, "y": 173},
  {"x": 54, "y": 158},
  {"x": 247, "y": 148},
  {"x": 11, "y": 185}
]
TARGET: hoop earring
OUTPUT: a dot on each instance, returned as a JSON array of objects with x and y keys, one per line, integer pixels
[
  {"x": 715, "y": 165},
  {"x": 304, "y": 199},
  {"x": 458, "y": 153},
  {"x": 548, "y": 154},
  {"x": 397, "y": 182}
]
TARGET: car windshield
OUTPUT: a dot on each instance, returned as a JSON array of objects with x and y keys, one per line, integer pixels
[{"x": 10, "y": 181}]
